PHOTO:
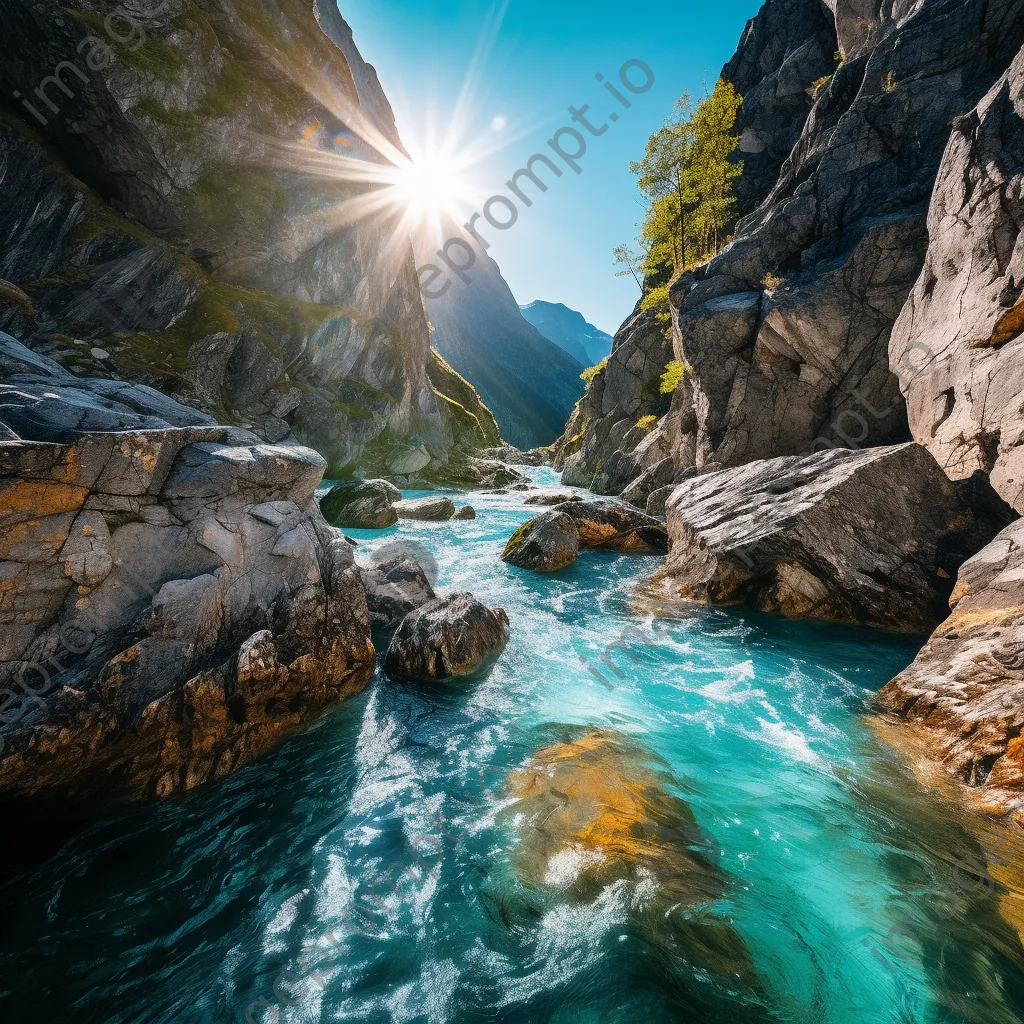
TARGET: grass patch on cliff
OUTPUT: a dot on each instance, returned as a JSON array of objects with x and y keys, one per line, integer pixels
[
  {"x": 591, "y": 372},
  {"x": 149, "y": 56},
  {"x": 673, "y": 376}
]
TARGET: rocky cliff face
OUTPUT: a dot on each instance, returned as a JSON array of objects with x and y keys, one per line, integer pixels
[
  {"x": 161, "y": 226},
  {"x": 966, "y": 686},
  {"x": 172, "y": 606},
  {"x": 786, "y": 332},
  {"x": 957, "y": 345}
]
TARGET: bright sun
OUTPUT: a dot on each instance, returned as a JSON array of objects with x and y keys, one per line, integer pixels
[{"x": 430, "y": 186}]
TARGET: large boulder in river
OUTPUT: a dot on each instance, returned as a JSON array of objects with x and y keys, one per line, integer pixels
[
  {"x": 615, "y": 526},
  {"x": 966, "y": 687},
  {"x": 173, "y": 608},
  {"x": 872, "y": 537},
  {"x": 544, "y": 544},
  {"x": 361, "y": 504},
  {"x": 430, "y": 509},
  {"x": 958, "y": 346},
  {"x": 450, "y": 637},
  {"x": 395, "y": 585}
]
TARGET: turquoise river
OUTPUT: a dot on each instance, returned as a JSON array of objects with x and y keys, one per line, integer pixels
[{"x": 363, "y": 871}]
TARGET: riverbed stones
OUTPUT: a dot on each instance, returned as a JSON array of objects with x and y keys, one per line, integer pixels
[
  {"x": 551, "y": 498},
  {"x": 466, "y": 512},
  {"x": 190, "y": 604},
  {"x": 361, "y": 504},
  {"x": 451, "y": 637},
  {"x": 434, "y": 509},
  {"x": 872, "y": 537},
  {"x": 395, "y": 585},
  {"x": 966, "y": 687},
  {"x": 615, "y": 526},
  {"x": 546, "y": 543}
]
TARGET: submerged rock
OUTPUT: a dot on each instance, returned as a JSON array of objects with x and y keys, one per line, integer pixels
[
  {"x": 592, "y": 814},
  {"x": 431, "y": 509},
  {"x": 451, "y": 637},
  {"x": 872, "y": 537},
  {"x": 395, "y": 585},
  {"x": 967, "y": 684},
  {"x": 551, "y": 498},
  {"x": 615, "y": 526},
  {"x": 179, "y": 604},
  {"x": 546, "y": 543},
  {"x": 361, "y": 504}
]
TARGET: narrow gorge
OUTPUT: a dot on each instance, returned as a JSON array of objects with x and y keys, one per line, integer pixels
[{"x": 370, "y": 654}]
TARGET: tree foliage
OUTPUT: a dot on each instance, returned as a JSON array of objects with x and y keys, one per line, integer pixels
[{"x": 687, "y": 177}]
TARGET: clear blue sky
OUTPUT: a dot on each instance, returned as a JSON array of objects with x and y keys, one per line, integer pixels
[{"x": 542, "y": 58}]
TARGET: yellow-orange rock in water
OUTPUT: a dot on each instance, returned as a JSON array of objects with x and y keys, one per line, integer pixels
[{"x": 592, "y": 812}]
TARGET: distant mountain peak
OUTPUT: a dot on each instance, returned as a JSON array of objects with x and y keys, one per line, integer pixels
[{"x": 569, "y": 329}]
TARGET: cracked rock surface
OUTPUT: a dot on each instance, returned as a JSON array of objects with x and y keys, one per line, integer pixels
[
  {"x": 171, "y": 607},
  {"x": 872, "y": 537},
  {"x": 958, "y": 346},
  {"x": 967, "y": 684}
]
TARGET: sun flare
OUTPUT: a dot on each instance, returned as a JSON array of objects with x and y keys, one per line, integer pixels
[{"x": 430, "y": 186}]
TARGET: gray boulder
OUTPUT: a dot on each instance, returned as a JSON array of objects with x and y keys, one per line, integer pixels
[
  {"x": 872, "y": 537},
  {"x": 958, "y": 345},
  {"x": 431, "y": 509},
  {"x": 360, "y": 504},
  {"x": 395, "y": 585},
  {"x": 966, "y": 687},
  {"x": 545, "y": 544},
  {"x": 466, "y": 512},
  {"x": 451, "y": 637}
]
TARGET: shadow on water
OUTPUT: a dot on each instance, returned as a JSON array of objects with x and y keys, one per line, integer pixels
[{"x": 954, "y": 903}]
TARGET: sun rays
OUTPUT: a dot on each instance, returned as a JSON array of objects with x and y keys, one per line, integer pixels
[{"x": 420, "y": 187}]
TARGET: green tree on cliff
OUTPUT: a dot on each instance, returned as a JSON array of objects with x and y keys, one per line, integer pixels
[{"x": 686, "y": 175}]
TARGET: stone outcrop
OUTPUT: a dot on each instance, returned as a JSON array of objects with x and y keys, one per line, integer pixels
[
  {"x": 872, "y": 537},
  {"x": 466, "y": 512},
  {"x": 172, "y": 607},
  {"x": 395, "y": 584},
  {"x": 546, "y": 543},
  {"x": 361, "y": 504},
  {"x": 614, "y": 526},
  {"x": 431, "y": 509},
  {"x": 452, "y": 637},
  {"x": 167, "y": 222},
  {"x": 966, "y": 687},
  {"x": 41, "y": 401},
  {"x": 785, "y": 334},
  {"x": 958, "y": 345}
]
